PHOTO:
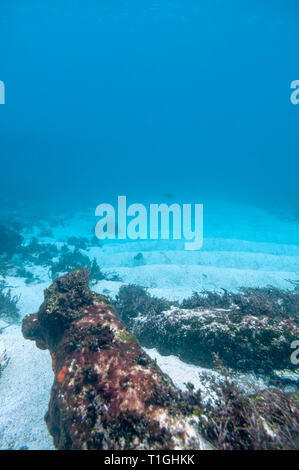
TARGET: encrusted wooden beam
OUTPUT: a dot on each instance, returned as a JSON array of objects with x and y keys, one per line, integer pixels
[{"x": 107, "y": 392}]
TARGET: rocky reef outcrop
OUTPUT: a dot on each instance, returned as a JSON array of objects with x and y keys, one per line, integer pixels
[
  {"x": 250, "y": 331},
  {"x": 107, "y": 393},
  {"x": 251, "y": 343}
]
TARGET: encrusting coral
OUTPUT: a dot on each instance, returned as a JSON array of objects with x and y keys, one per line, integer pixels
[{"x": 107, "y": 393}]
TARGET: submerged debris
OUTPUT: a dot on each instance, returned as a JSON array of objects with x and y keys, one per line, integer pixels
[
  {"x": 249, "y": 331},
  {"x": 243, "y": 342},
  {"x": 107, "y": 393}
]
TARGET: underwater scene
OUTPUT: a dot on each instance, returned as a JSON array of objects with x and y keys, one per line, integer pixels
[{"x": 149, "y": 225}]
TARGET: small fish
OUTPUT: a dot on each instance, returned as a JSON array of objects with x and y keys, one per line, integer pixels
[{"x": 167, "y": 195}]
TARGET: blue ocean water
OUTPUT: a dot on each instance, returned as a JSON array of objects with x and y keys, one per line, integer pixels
[
  {"x": 164, "y": 101},
  {"x": 190, "y": 98}
]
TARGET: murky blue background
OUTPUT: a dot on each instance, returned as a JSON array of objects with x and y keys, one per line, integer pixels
[{"x": 188, "y": 97}]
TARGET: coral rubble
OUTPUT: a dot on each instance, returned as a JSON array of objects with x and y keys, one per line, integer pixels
[{"x": 107, "y": 393}]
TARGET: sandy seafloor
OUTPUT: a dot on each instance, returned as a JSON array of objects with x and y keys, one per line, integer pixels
[{"x": 251, "y": 248}]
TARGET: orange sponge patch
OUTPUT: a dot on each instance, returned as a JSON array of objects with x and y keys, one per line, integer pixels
[{"x": 61, "y": 374}]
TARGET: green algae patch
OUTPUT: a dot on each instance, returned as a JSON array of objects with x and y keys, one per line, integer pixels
[
  {"x": 102, "y": 298},
  {"x": 54, "y": 302},
  {"x": 127, "y": 337}
]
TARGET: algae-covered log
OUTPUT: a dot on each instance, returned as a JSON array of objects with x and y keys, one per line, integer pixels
[
  {"x": 107, "y": 393},
  {"x": 242, "y": 342},
  {"x": 251, "y": 330}
]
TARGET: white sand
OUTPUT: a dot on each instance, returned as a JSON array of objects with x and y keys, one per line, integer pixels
[
  {"x": 26, "y": 382},
  {"x": 24, "y": 390},
  {"x": 242, "y": 247},
  {"x": 182, "y": 373}
]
